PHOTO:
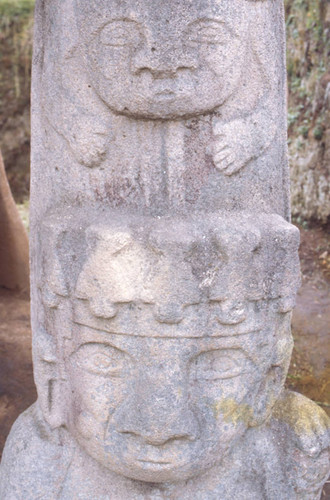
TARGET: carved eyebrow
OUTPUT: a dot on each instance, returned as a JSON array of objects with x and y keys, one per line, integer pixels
[
  {"x": 119, "y": 20},
  {"x": 100, "y": 343},
  {"x": 123, "y": 30},
  {"x": 209, "y": 23},
  {"x": 231, "y": 352},
  {"x": 102, "y": 337},
  {"x": 240, "y": 336},
  {"x": 239, "y": 349},
  {"x": 208, "y": 343}
]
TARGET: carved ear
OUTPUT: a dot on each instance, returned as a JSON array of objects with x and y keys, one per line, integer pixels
[
  {"x": 273, "y": 383},
  {"x": 268, "y": 394},
  {"x": 51, "y": 278},
  {"x": 47, "y": 379}
]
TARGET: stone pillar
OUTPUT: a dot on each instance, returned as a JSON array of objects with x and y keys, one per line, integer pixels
[{"x": 164, "y": 265}]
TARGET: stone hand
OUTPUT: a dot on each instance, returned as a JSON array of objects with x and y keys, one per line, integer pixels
[
  {"x": 308, "y": 422},
  {"x": 239, "y": 141},
  {"x": 307, "y": 443},
  {"x": 89, "y": 148},
  {"x": 311, "y": 427},
  {"x": 233, "y": 146}
]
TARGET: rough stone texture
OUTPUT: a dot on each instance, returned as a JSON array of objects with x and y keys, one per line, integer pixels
[{"x": 163, "y": 269}]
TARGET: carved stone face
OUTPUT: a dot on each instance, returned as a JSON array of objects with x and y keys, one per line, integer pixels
[
  {"x": 169, "y": 60},
  {"x": 162, "y": 382},
  {"x": 169, "y": 355},
  {"x": 161, "y": 409}
]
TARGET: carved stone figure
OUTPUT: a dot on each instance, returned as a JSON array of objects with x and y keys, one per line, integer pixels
[
  {"x": 162, "y": 361},
  {"x": 176, "y": 108},
  {"x": 164, "y": 272}
]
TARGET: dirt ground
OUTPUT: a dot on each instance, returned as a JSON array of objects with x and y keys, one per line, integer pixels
[
  {"x": 310, "y": 367},
  {"x": 17, "y": 390}
]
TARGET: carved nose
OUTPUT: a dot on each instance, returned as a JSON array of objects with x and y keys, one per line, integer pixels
[
  {"x": 157, "y": 419},
  {"x": 162, "y": 62}
]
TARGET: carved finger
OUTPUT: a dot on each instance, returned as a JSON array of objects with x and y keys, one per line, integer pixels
[
  {"x": 218, "y": 128},
  {"x": 222, "y": 156},
  {"x": 220, "y": 148},
  {"x": 220, "y": 136},
  {"x": 229, "y": 159},
  {"x": 90, "y": 153},
  {"x": 232, "y": 168}
]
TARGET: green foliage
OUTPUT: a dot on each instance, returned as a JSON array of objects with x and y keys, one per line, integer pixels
[
  {"x": 303, "y": 130},
  {"x": 293, "y": 116},
  {"x": 318, "y": 131},
  {"x": 308, "y": 48},
  {"x": 11, "y": 9},
  {"x": 300, "y": 221},
  {"x": 16, "y": 19}
]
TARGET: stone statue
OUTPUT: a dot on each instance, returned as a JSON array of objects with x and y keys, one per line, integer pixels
[
  {"x": 164, "y": 272},
  {"x": 176, "y": 108}
]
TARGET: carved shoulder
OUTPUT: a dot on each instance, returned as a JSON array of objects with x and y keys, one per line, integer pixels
[
  {"x": 31, "y": 442},
  {"x": 303, "y": 430},
  {"x": 308, "y": 422}
]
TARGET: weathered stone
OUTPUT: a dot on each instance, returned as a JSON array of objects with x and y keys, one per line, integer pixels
[
  {"x": 164, "y": 271},
  {"x": 179, "y": 107}
]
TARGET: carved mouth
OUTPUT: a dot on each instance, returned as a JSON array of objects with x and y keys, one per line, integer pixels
[
  {"x": 154, "y": 461},
  {"x": 151, "y": 463},
  {"x": 165, "y": 94}
]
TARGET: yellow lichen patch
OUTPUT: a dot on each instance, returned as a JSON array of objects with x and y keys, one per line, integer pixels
[
  {"x": 301, "y": 414},
  {"x": 233, "y": 412}
]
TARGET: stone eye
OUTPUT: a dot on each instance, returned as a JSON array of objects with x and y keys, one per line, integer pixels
[
  {"x": 208, "y": 32},
  {"x": 221, "y": 364},
  {"x": 100, "y": 359},
  {"x": 120, "y": 33}
]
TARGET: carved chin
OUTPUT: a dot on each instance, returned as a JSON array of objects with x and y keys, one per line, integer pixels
[
  {"x": 179, "y": 464},
  {"x": 156, "y": 472},
  {"x": 164, "y": 105},
  {"x": 166, "y": 108},
  {"x": 140, "y": 468}
]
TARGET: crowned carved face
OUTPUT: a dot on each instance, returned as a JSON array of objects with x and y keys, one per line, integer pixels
[
  {"x": 163, "y": 60},
  {"x": 178, "y": 339},
  {"x": 164, "y": 378}
]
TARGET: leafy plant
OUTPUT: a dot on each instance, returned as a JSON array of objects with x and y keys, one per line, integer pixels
[
  {"x": 318, "y": 132},
  {"x": 16, "y": 18},
  {"x": 9, "y": 9}
]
